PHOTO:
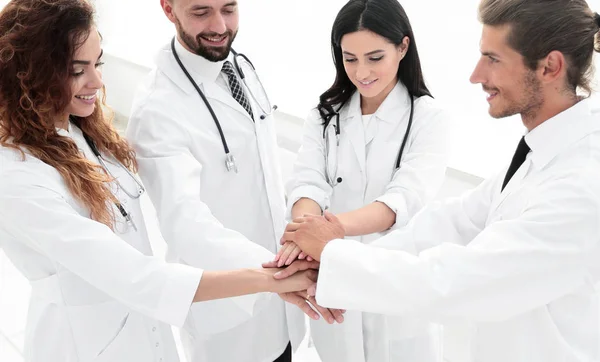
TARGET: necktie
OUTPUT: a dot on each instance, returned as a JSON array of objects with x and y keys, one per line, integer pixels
[
  {"x": 236, "y": 89},
  {"x": 517, "y": 161}
]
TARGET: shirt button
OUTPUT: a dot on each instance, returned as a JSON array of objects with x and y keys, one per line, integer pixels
[
  {"x": 153, "y": 329},
  {"x": 157, "y": 344}
]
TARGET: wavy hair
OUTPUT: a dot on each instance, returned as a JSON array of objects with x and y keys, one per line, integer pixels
[{"x": 38, "y": 41}]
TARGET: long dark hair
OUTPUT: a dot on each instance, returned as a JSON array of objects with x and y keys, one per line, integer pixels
[
  {"x": 38, "y": 40},
  {"x": 386, "y": 18}
]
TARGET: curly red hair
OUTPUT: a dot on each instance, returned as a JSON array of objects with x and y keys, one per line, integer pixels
[{"x": 38, "y": 40}]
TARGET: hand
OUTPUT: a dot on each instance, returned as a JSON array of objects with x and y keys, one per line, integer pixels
[
  {"x": 303, "y": 298},
  {"x": 288, "y": 253},
  {"x": 300, "y": 281},
  {"x": 312, "y": 233}
]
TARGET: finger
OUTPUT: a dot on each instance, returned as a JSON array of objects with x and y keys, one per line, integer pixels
[
  {"x": 289, "y": 236},
  {"x": 331, "y": 217},
  {"x": 300, "y": 220},
  {"x": 293, "y": 226},
  {"x": 303, "y": 305},
  {"x": 322, "y": 311},
  {"x": 302, "y": 256},
  {"x": 337, "y": 315},
  {"x": 311, "y": 216},
  {"x": 297, "y": 266},
  {"x": 293, "y": 255},
  {"x": 309, "y": 258},
  {"x": 289, "y": 248},
  {"x": 311, "y": 290},
  {"x": 270, "y": 264},
  {"x": 278, "y": 256}
]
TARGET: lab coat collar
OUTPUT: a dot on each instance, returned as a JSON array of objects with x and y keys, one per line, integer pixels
[
  {"x": 202, "y": 71},
  {"x": 388, "y": 111},
  {"x": 557, "y": 133}
]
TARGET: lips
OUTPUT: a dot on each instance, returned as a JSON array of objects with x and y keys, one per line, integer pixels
[
  {"x": 492, "y": 93},
  {"x": 215, "y": 39},
  {"x": 87, "y": 98}
]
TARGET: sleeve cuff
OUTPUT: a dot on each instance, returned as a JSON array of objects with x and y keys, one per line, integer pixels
[
  {"x": 178, "y": 294},
  {"x": 398, "y": 205},
  {"x": 309, "y": 192},
  {"x": 329, "y": 274}
]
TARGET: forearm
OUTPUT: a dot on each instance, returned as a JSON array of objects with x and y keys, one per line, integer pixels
[
  {"x": 228, "y": 284},
  {"x": 306, "y": 206},
  {"x": 373, "y": 218}
]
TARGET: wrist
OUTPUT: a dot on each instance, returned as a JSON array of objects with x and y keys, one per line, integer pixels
[
  {"x": 265, "y": 279},
  {"x": 345, "y": 223}
]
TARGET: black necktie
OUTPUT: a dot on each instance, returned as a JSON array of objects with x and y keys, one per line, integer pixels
[
  {"x": 236, "y": 89},
  {"x": 517, "y": 161}
]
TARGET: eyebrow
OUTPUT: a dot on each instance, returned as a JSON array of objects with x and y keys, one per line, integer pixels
[
  {"x": 206, "y": 7},
  {"x": 87, "y": 62},
  {"x": 490, "y": 54},
  {"x": 369, "y": 53}
]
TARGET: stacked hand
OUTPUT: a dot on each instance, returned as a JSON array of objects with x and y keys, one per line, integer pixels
[
  {"x": 305, "y": 238},
  {"x": 305, "y": 298}
]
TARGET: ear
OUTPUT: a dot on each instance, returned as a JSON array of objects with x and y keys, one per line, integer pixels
[
  {"x": 167, "y": 7},
  {"x": 403, "y": 47},
  {"x": 553, "y": 68}
]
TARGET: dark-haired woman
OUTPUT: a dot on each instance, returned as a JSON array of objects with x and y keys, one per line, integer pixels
[
  {"x": 70, "y": 217},
  {"x": 373, "y": 153}
]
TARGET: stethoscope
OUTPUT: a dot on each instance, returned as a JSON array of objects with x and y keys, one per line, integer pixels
[
  {"x": 266, "y": 111},
  {"x": 134, "y": 195},
  {"x": 331, "y": 169}
]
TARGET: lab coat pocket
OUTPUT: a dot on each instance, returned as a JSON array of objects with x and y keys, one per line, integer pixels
[
  {"x": 412, "y": 339},
  {"x": 97, "y": 327}
]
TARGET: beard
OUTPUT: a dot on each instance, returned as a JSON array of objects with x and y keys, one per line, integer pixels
[
  {"x": 210, "y": 53},
  {"x": 530, "y": 101}
]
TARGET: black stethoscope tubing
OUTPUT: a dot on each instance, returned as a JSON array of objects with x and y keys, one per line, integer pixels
[{"x": 404, "y": 141}]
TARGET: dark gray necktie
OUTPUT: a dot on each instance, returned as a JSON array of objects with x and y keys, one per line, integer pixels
[
  {"x": 518, "y": 159},
  {"x": 236, "y": 88}
]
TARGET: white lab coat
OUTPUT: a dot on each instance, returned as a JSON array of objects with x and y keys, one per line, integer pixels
[
  {"x": 96, "y": 295},
  {"x": 521, "y": 266},
  {"x": 368, "y": 177},
  {"x": 209, "y": 216}
]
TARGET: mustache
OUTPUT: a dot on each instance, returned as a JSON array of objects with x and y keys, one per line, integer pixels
[
  {"x": 490, "y": 89},
  {"x": 214, "y": 35}
]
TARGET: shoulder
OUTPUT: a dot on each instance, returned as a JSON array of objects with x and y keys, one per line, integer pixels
[{"x": 21, "y": 171}]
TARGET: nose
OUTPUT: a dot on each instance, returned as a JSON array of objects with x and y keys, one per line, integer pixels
[
  {"x": 477, "y": 75},
  {"x": 217, "y": 24},
  {"x": 96, "y": 80},
  {"x": 362, "y": 72}
]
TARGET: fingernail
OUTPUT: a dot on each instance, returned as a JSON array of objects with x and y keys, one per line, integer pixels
[
  {"x": 277, "y": 275},
  {"x": 316, "y": 317},
  {"x": 330, "y": 320}
]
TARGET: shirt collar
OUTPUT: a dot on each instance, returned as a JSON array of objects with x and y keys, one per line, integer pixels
[
  {"x": 559, "y": 132},
  {"x": 389, "y": 110},
  {"x": 201, "y": 69}
]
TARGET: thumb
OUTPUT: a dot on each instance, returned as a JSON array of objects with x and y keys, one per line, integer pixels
[{"x": 331, "y": 217}]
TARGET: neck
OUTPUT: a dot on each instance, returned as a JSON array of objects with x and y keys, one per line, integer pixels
[
  {"x": 550, "y": 108},
  {"x": 371, "y": 105},
  {"x": 64, "y": 123}
]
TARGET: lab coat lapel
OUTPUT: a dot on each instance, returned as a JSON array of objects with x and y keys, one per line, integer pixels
[
  {"x": 515, "y": 183},
  {"x": 351, "y": 123},
  {"x": 167, "y": 64},
  {"x": 215, "y": 93}
]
